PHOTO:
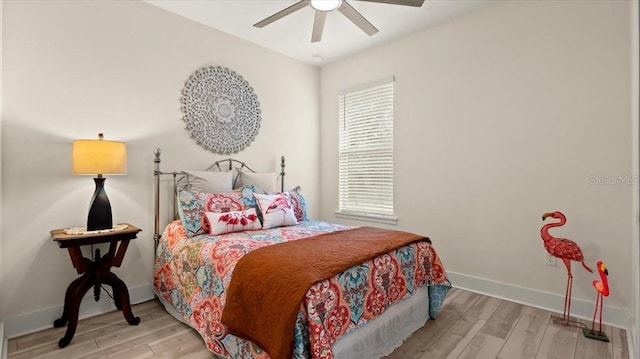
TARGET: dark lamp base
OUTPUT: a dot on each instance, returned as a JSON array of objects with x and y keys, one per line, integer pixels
[{"x": 100, "y": 208}]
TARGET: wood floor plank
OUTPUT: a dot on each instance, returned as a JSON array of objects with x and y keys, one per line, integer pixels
[
  {"x": 559, "y": 342},
  {"x": 455, "y": 351},
  {"x": 465, "y": 299},
  {"x": 47, "y": 336},
  {"x": 526, "y": 336},
  {"x": 503, "y": 320},
  {"x": 482, "y": 346},
  {"x": 86, "y": 327},
  {"x": 484, "y": 308},
  {"x": 185, "y": 344},
  {"x": 153, "y": 336},
  {"x": 139, "y": 352},
  {"x": 620, "y": 344},
  {"x": 453, "y": 292},
  {"x": 587, "y": 348},
  {"x": 457, "y": 336},
  {"x": 51, "y": 350},
  {"x": 91, "y": 332},
  {"x": 126, "y": 331},
  {"x": 12, "y": 346},
  {"x": 451, "y": 337}
]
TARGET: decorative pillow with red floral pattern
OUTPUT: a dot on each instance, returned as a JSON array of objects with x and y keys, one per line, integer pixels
[
  {"x": 234, "y": 221},
  {"x": 193, "y": 205}
]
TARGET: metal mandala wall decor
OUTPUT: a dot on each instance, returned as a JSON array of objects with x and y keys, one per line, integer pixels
[{"x": 220, "y": 109}]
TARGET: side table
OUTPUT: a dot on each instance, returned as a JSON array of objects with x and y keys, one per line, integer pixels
[{"x": 94, "y": 272}]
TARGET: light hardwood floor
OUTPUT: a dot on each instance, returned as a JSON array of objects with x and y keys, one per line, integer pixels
[{"x": 470, "y": 325}]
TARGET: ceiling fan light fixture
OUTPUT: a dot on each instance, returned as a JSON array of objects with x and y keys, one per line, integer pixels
[{"x": 326, "y": 5}]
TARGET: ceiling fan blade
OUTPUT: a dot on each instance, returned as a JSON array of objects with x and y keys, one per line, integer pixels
[
  {"x": 357, "y": 18},
  {"x": 416, "y": 3},
  {"x": 318, "y": 25},
  {"x": 280, "y": 14}
]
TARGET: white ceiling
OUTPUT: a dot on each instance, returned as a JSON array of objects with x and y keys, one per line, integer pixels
[{"x": 291, "y": 35}]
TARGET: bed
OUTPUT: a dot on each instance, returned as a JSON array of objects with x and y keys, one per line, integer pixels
[{"x": 226, "y": 264}]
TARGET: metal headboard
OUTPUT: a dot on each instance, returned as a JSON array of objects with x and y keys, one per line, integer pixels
[{"x": 178, "y": 175}]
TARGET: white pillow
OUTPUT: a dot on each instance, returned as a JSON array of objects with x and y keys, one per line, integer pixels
[
  {"x": 234, "y": 221},
  {"x": 276, "y": 210},
  {"x": 267, "y": 181},
  {"x": 209, "y": 181}
]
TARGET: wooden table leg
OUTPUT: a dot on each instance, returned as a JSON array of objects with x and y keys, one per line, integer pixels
[
  {"x": 120, "y": 292},
  {"x": 75, "y": 292},
  {"x": 121, "y": 297}
]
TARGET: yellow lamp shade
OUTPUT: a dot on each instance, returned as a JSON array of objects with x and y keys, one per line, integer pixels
[{"x": 99, "y": 157}]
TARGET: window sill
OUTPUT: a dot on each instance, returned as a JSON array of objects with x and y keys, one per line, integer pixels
[{"x": 367, "y": 217}]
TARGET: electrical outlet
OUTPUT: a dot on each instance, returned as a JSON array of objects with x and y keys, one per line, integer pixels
[{"x": 549, "y": 260}]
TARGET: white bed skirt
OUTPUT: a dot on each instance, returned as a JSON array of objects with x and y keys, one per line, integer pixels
[{"x": 378, "y": 337}]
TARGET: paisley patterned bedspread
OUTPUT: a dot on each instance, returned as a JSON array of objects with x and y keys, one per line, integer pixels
[{"x": 193, "y": 273}]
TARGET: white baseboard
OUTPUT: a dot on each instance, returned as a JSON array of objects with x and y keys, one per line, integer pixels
[
  {"x": 43, "y": 319},
  {"x": 634, "y": 351},
  {"x": 614, "y": 316},
  {"x": 3, "y": 342}
]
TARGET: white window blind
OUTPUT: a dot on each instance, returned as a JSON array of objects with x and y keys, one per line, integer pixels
[{"x": 366, "y": 151}]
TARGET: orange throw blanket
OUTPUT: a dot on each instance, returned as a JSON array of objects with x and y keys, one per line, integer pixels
[{"x": 269, "y": 284}]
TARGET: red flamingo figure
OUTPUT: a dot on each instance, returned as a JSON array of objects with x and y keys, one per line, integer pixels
[
  {"x": 602, "y": 290},
  {"x": 565, "y": 249}
]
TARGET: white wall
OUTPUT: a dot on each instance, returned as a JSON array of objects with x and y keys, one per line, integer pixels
[
  {"x": 634, "y": 338},
  {"x": 2, "y": 347},
  {"x": 499, "y": 117},
  {"x": 75, "y": 68}
]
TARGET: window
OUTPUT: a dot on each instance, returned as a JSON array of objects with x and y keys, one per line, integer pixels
[{"x": 366, "y": 152}]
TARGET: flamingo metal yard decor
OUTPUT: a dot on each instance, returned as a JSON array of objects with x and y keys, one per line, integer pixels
[
  {"x": 565, "y": 249},
  {"x": 602, "y": 290}
]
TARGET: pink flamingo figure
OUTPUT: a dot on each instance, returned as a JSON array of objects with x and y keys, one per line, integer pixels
[
  {"x": 565, "y": 249},
  {"x": 279, "y": 204},
  {"x": 602, "y": 290}
]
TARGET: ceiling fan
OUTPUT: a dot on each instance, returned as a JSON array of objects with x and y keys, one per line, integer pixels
[{"x": 323, "y": 7}]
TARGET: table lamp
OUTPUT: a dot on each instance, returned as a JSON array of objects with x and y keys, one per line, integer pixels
[{"x": 99, "y": 157}]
